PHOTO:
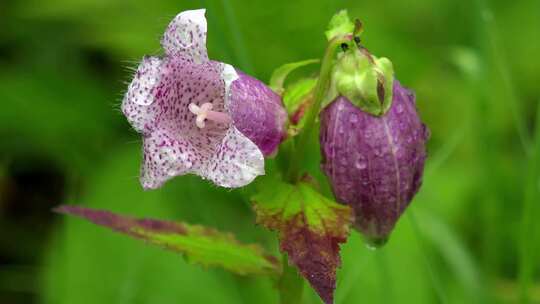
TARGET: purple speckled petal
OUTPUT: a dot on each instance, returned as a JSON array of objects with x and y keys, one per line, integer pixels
[
  {"x": 186, "y": 36},
  {"x": 258, "y": 113},
  {"x": 166, "y": 157},
  {"x": 218, "y": 151},
  {"x": 183, "y": 82},
  {"x": 237, "y": 123},
  {"x": 374, "y": 164},
  {"x": 141, "y": 92},
  {"x": 235, "y": 163}
]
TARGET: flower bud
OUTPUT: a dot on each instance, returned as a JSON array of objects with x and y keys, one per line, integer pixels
[
  {"x": 363, "y": 79},
  {"x": 258, "y": 113},
  {"x": 199, "y": 116},
  {"x": 374, "y": 163}
]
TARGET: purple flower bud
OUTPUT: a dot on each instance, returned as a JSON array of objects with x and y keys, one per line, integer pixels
[
  {"x": 374, "y": 163},
  {"x": 258, "y": 113},
  {"x": 200, "y": 116}
]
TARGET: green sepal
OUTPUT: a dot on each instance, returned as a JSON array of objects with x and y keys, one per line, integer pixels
[
  {"x": 385, "y": 68},
  {"x": 365, "y": 80},
  {"x": 277, "y": 80},
  {"x": 201, "y": 245},
  {"x": 339, "y": 25},
  {"x": 310, "y": 228},
  {"x": 297, "y": 98}
]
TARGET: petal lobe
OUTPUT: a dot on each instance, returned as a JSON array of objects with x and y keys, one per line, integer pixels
[{"x": 186, "y": 35}]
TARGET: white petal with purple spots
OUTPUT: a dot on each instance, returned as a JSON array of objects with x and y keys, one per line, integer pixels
[
  {"x": 164, "y": 158},
  {"x": 229, "y": 75},
  {"x": 141, "y": 92},
  {"x": 236, "y": 162},
  {"x": 186, "y": 36},
  {"x": 180, "y": 104}
]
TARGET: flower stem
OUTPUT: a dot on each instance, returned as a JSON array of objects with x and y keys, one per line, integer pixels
[
  {"x": 291, "y": 285},
  {"x": 294, "y": 172}
]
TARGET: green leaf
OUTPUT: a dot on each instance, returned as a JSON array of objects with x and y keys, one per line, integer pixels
[
  {"x": 310, "y": 227},
  {"x": 340, "y": 24},
  {"x": 201, "y": 245},
  {"x": 277, "y": 81}
]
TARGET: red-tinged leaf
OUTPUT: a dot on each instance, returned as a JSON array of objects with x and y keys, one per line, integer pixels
[
  {"x": 310, "y": 227},
  {"x": 202, "y": 245}
]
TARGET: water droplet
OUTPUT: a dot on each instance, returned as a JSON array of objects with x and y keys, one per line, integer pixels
[
  {"x": 353, "y": 118},
  {"x": 399, "y": 109},
  {"x": 375, "y": 243},
  {"x": 341, "y": 130},
  {"x": 360, "y": 163}
]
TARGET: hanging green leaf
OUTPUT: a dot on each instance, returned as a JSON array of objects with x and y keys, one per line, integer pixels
[
  {"x": 277, "y": 81},
  {"x": 201, "y": 245},
  {"x": 310, "y": 227}
]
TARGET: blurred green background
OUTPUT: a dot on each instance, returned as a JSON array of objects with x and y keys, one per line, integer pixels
[{"x": 470, "y": 235}]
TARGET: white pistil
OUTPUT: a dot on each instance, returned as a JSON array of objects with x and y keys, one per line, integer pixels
[{"x": 205, "y": 112}]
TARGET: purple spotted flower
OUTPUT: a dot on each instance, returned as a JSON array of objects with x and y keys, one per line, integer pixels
[
  {"x": 374, "y": 163},
  {"x": 200, "y": 116}
]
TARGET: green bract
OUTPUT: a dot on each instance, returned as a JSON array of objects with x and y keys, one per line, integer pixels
[
  {"x": 364, "y": 79},
  {"x": 277, "y": 80},
  {"x": 297, "y": 99},
  {"x": 361, "y": 77},
  {"x": 340, "y": 24},
  {"x": 295, "y": 94}
]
